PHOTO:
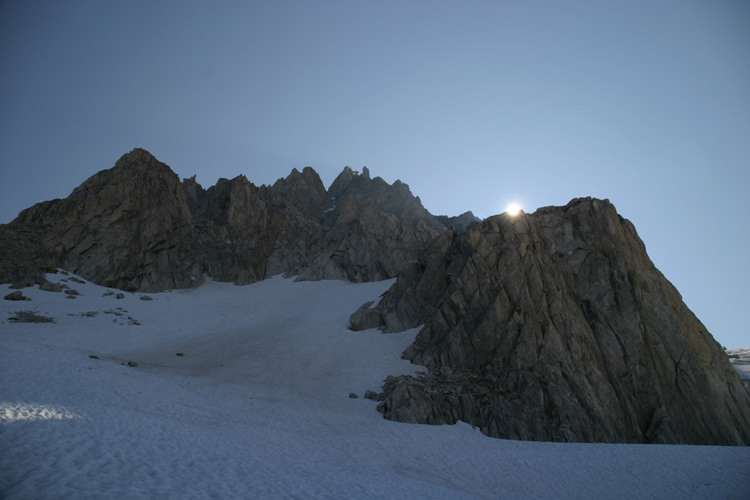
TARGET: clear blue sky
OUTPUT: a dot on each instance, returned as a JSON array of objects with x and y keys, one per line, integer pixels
[{"x": 473, "y": 104}]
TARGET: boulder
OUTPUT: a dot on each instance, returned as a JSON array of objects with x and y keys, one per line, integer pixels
[
  {"x": 50, "y": 287},
  {"x": 17, "y": 295}
]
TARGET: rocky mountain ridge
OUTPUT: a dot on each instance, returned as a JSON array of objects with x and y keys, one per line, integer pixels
[
  {"x": 548, "y": 326},
  {"x": 136, "y": 226}
]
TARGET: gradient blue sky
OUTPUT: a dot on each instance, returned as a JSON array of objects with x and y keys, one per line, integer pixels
[{"x": 473, "y": 104}]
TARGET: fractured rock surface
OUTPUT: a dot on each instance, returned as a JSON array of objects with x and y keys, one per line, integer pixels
[
  {"x": 136, "y": 226},
  {"x": 557, "y": 326},
  {"x": 129, "y": 226}
]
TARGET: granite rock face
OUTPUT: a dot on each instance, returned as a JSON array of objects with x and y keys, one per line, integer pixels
[
  {"x": 371, "y": 231},
  {"x": 136, "y": 226},
  {"x": 459, "y": 223},
  {"x": 557, "y": 326},
  {"x": 126, "y": 227}
]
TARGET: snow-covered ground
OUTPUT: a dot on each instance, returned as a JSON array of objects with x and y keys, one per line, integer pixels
[
  {"x": 258, "y": 407},
  {"x": 740, "y": 359}
]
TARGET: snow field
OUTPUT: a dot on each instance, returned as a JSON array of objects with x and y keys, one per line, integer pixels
[{"x": 259, "y": 407}]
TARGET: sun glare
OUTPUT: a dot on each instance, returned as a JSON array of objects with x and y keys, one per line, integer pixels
[{"x": 513, "y": 209}]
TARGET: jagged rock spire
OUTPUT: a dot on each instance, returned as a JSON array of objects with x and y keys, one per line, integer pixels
[{"x": 137, "y": 226}]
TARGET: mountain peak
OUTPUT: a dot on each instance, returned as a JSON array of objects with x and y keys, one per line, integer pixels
[
  {"x": 549, "y": 326},
  {"x": 341, "y": 182}
]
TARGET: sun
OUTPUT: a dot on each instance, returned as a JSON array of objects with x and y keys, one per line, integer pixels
[{"x": 513, "y": 209}]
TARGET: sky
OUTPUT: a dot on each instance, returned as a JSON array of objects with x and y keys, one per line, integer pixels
[{"x": 473, "y": 104}]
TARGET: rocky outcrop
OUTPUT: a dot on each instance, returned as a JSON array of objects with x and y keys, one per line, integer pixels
[
  {"x": 557, "y": 326},
  {"x": 371, "y": 231},
  {"x": 22, "y": 260},
  {"x": 137, "y": 227},
  {"x": 459, "y": 223},
  {"x": 126, "y": 227}
]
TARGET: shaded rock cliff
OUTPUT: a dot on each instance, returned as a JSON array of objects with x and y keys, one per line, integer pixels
[
  {"x": 128, "y": 227},
  {"x": 137, "y": 227},
  {"x": 371, "y": 230},
  {"x": 557, "y": 326}
]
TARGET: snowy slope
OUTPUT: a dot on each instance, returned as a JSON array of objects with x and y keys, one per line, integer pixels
[
  {"x": 740, "y": 359},
  {"x": 259, "y": 407}
]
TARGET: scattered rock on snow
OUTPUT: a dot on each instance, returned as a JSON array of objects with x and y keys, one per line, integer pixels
[
  {"x": 353, "y": 396},
  {"x": 146, "y": 297},
  {"x": 17, "y": 295},
  {"x": 374, "y": 396},
  {"x": 132, "y": 363},
  {"x": 30, "y": 317},
  {"x": 50, "y": 287}
]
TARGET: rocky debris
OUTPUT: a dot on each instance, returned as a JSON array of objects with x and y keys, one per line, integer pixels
[
  {"x": 29, "y": 317},
  {"x": 132, "y": 364},
  {"x": 146, "y": 297},
  {"x": 180, "y": 354},
  {"x": 374, "y": 396},
  {"x": 557, "y": 326},
  {"x": 353, "y": 395},
  {"x": 72, "y": 292},
  {"x": 17, "y": 295},
  {"x": 88, "y": 314},
  {"x": 50, "y": 287},
  {"x": 93, "y": 356}
]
